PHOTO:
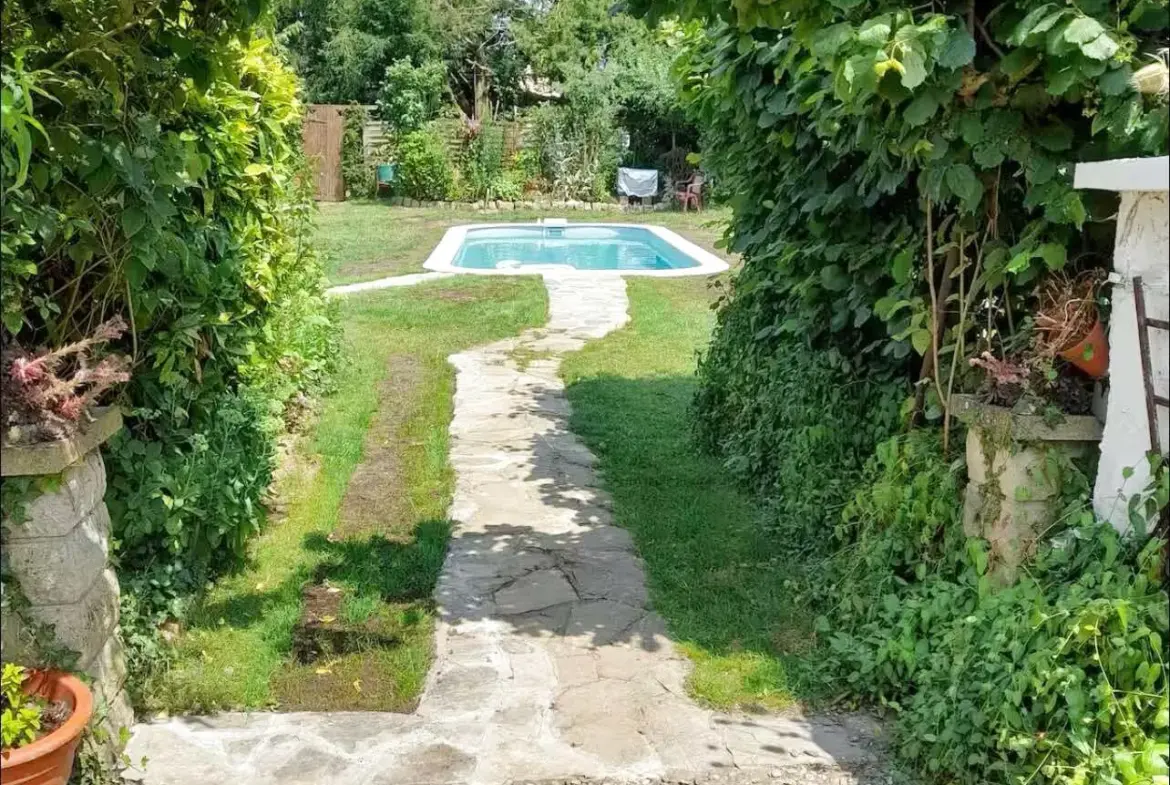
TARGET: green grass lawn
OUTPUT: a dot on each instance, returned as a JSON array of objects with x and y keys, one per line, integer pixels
[
  {"x": 364, "y": 240},
  {"x": 236, "y": 651},
  {"x": 714, "y": 573}
]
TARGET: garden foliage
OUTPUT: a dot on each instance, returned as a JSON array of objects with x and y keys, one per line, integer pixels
[
  {"x": 356, "y": 171},
  {"x": 794, "y": 424},
  {"x": 482, "y": 161},
  {"x": 894, "y": 168},
  {"x": 901, "y": 178},
  {"x": 1058, "y": 678},
  {"x": 152, "y": 170},
  {"x": 578, "y": 145},
  {"x": 598, "y": 56},
  {"x": 411, "y": 95},
  {"x": 424, "y": 169},
  {"x": 341, "y": 48},
  {"x": 21, "y": 718},
  {"x": 591, "y": 70}
]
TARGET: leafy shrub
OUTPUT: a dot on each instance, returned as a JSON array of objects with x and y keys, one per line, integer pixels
[
  {"x": 424, "y": 170},
  {"x": 577, "y": 145},
  {"x": 507, "y": 185},
  {"x": 199, "y": 509},
  {"x": 21, "y": 714},
  {"x": 841, "y": 127},
  {"x": 357, "y": 172},
  {"x": 883, "y": 160},
  {"x": 158, "y": 175},
  {"x": 411, "y": 95},
  {"x": 1059, "y": 678},
  {"x": 792, "y": 421},
  {"x": 525, "y": 166},
  {"x": 483, "y": 161}
]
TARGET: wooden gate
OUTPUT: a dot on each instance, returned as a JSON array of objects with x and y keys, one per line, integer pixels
[{"x": 324, "y": 124}]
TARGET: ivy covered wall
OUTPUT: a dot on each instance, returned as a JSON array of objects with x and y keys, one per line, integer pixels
[
  {"x": 152, "y": 169},
  {"x": 902, "y": 180}
]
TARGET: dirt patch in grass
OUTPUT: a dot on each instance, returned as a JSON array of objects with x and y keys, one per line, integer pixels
[
  {"x": 325, "y": 632},
  {"x": 456, "y": 296},
  {"x": 362, "y": 640},
  {"x": 376, "y": 498},
  {"x": 236, "y": 650}
]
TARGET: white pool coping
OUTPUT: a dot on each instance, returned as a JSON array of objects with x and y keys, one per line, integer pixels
[{"x": 442, "y": 258}]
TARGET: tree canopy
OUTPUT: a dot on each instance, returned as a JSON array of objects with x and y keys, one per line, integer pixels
[
  {"x": 492, "y": 51},
  {"x": 341, "y": 48}
]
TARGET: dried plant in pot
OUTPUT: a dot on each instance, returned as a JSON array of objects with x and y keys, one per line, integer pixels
[
  {"x": 49, "y": 395},
  {"x": 1005, "y": 381},
  {"x": 1068, "y": 324}
]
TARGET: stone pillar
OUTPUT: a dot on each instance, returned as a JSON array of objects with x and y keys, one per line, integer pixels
[
  {"x": 1142, "y": 248},
  {"x": 58, "y": 555},
  {"x": 1011, "y": 494}
]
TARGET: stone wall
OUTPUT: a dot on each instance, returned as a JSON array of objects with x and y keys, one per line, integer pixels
[{"x": 58, "y": 555}]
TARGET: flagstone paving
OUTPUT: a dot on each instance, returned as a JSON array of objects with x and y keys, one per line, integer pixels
[{"x": 551, "y": 665}]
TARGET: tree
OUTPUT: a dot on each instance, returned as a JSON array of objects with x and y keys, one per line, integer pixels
[
  {"x": 411, "y": 95},
  {"x": 484, "y": 62},
  {"x": 588, "y": 48},
  {"x": 341, "y": 48}
]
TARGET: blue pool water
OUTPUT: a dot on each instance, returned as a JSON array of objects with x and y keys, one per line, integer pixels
[{"x": 584, "y": 247}]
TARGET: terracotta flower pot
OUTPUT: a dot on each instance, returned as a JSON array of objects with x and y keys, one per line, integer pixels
[
  {"x": 1091, "y": 353},
  {"x": 49, "y": 759}
]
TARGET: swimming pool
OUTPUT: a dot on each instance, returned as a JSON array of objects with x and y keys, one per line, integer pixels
[{"x": 622, "y": 249}]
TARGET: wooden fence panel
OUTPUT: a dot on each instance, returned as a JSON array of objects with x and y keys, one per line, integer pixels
[
  {"x": 324, "y": 125},
  {"x": 450, "y": 130}
]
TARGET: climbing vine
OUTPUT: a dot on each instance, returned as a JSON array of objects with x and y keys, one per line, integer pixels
[
  {"x": 152, "y": 170},
  {"x": 902, "y": 180}
]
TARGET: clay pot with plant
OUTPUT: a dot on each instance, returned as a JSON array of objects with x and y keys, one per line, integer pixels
[
  {"x": 44, "y": 715},
  {"x": 1068, "y": 323}
]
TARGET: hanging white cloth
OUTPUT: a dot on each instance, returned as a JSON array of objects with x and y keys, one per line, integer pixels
[{"x": 637, "y": 182}]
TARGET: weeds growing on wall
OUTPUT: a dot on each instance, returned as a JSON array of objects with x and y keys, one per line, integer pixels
[{"x": 152, "y": 170}]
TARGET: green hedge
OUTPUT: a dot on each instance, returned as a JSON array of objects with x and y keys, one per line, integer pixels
[
  {"x": 152, "y": 168},
  {"x": 882, "y": 156},
  {"x": 795, "y": 420},
  {"x": 901, "y": 180}
]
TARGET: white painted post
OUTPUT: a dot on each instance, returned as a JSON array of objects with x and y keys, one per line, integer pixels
[{"x": 1142, "y": 248}]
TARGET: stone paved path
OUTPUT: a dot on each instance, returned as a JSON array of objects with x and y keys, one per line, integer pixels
[{"x": 550, "y": 665}]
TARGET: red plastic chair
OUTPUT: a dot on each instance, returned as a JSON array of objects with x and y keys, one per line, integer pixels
[{"x": 692, "y": 193}]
